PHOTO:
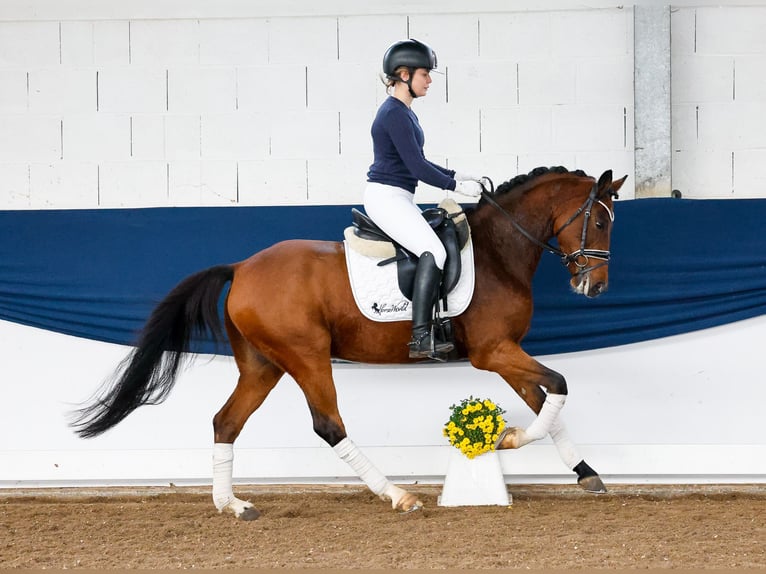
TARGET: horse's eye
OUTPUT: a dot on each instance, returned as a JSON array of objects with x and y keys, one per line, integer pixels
[{"x": 599, "y": 225}]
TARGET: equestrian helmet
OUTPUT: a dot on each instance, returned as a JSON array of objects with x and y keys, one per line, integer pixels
[{"x": 410, "y": 53}]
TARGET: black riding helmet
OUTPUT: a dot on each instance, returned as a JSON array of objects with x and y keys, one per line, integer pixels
[{"x": 410, "y": 53}]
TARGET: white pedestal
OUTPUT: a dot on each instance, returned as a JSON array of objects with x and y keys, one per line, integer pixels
[{"x": 474, "y": 482}]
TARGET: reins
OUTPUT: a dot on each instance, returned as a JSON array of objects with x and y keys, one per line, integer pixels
[{"x": 582, "y": 256}]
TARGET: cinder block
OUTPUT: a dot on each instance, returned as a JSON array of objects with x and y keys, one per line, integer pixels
[
  {"x": 683, "y": 31},
  {"x": 453, "y": 132},
  {"x": 490, "y": 83},
  {"x": 62, "y": 90},
  {"x": 202, "y": 183},
  {"x": 307, "y": 135},
  {"x": 14, "y": 186},
  {"x": 716, "y": 127},
  {"x": 620, "y": 162},
  {"x": 164, "y": 42},
  {"x": 303, "y": 40},
  {"x": 750, "y": 78},
  {"x": 338, "y": 181},
  {"x": 329, "y": 86},
  {"x": 230, "y": 42},
  {"x": 703, "y": 174},
  {"x": 684, "y": 127},
  {"x": 364, "y": 39},
  {"x": 235, "y": 136},
  {"x": 498, "y": 167},
  {"x": 607, "y": 80},
  {"x": 100, "y": 43},
  {"x": 731, "y": 30},
  {"x": 749, "y": 175},
  {"x": 183, "y": 137},
  {"x": 271, "y": 88},
  {"x": 132, "y": 89},
  {"x": 701, "y": 78},
  {"x": 547, "y": 82},
  {"x": 95, "y": 137},
  {"x": 35, "y": 138},
  {"x": 454, "y": 37},
  {"x": 591, "y": 33},
  {"x": 64, "y": 185},
  {"x": 147, "y": 137},
  {"x": 202, "y": 90},
  {"x": 589, "y": 128},
  {"x": 111, "y": 43},
  {"x": 133, "y": 184},
  {"x": 514, "y": 36},
  {"x": 516, "y": 129},
  {"x": 355, "y": 138},
  {"x": 526, "y": 162},
  {"x": 273, "y": 182},
  {"x": 29, "y": 44},
  {"x": 77, "y": 46},
  {"x": 13, "y": 91}
]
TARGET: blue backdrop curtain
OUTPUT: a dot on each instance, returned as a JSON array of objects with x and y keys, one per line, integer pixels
[{"x": 677, "y": 266}]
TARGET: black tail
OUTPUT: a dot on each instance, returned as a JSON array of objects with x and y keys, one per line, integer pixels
[{"x": 147, "y": 375}]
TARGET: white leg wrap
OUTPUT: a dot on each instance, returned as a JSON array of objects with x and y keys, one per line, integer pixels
[
  {"x": 547, "y": 416},
  {"x": 372, "y": 477},
  {"x": 223, "y": 463},
  {"x": 567, "y": 449}
]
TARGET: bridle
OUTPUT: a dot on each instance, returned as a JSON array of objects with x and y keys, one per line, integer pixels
[{"x": 582, "y": 256}]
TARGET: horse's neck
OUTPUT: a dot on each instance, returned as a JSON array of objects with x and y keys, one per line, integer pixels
[{"x": 494, "y": 234}]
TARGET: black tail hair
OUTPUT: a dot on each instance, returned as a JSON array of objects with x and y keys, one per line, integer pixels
[{"x": 147, "y": 375}]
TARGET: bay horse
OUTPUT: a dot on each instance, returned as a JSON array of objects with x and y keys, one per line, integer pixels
[{"x": 279, "y": 319}]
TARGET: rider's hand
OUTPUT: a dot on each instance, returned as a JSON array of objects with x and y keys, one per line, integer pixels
[
  {"x": 459, "y": 176},
  {"x": 468, "y": 187}
]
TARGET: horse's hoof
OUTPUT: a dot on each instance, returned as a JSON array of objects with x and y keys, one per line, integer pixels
[
  {"x": 592, "y": 484},
  {"x": 408, "y": 503},
  {"x": 249, "y": 514},
  {"x": 417, "y": 506},
  {"x": 510, "y": 437}
]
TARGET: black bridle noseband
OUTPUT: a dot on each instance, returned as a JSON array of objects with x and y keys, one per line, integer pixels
[{"x": 582, "y": 256}]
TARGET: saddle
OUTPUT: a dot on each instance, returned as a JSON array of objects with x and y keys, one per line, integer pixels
[{"x": 450, "y": 225}]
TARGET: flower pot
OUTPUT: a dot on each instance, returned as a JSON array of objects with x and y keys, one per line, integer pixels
[{"x": 474, "y": 481}]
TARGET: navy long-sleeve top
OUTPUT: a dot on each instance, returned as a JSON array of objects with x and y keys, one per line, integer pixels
[{"x": 397, "y": 143}]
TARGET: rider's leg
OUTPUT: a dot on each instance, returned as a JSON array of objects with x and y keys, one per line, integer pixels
[{"x": 393, "y": 209}]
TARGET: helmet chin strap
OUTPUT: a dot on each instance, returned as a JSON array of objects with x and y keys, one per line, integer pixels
[{"x": 409, "y": 82}]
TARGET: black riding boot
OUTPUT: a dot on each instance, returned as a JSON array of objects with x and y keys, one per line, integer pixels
[{"x": 425, "y": 342}]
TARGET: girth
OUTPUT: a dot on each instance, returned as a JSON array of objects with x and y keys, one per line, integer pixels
[{"x": 453, "y": 236}]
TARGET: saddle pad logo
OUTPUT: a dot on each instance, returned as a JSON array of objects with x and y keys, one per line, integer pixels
[{"x": 377, "y": 294}]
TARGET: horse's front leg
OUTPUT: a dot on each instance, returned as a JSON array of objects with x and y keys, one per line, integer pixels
[{"x": 528, "y": 378}]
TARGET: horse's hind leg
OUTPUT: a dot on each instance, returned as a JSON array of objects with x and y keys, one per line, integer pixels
[
  {"x": 257, "y": 377},
  {"x": 317, "y": 384}
]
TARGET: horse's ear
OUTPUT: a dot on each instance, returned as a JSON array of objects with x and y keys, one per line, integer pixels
[
  {"x": 617, "y": 185},
  {"x": 604, "y": 181}
]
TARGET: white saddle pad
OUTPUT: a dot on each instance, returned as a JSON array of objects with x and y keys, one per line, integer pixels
[{"x": 376, "y": 289}]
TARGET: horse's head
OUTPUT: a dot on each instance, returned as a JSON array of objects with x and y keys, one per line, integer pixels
[{"x": 583, "y": 226}]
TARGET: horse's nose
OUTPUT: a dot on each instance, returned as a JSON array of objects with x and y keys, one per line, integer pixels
[{"x": 597, "y": 289}]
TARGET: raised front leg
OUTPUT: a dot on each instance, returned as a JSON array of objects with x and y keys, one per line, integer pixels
[{"x": 528, "y": 378}]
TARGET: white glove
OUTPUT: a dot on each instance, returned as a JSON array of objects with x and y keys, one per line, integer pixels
[
  {"x": 465, "y": 177},
  {"x": 468, "y": 187}
]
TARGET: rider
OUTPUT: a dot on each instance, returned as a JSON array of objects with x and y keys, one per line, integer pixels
[{"x": 399, "y": 164}]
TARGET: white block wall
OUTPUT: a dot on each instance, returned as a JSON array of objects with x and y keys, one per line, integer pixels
[
  {"x": 719, "y": 97},
  {"x": 141, "y": 106}
]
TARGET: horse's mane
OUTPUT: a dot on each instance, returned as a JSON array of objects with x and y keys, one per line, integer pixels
[{"x": 535, "y": 173}]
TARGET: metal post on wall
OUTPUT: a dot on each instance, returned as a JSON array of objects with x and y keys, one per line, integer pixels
[{"x": 652, "y": 100}]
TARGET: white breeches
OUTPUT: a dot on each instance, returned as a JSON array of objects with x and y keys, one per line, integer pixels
[{"x": 394, "y": 210}]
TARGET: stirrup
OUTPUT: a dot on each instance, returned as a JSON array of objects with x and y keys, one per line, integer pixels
[{"x": 427, "y": 345}]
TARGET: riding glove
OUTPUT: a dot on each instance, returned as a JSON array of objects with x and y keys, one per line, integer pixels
[
  {"x": 459, "y": 176},
  {"x": 468, "y": 187}
]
